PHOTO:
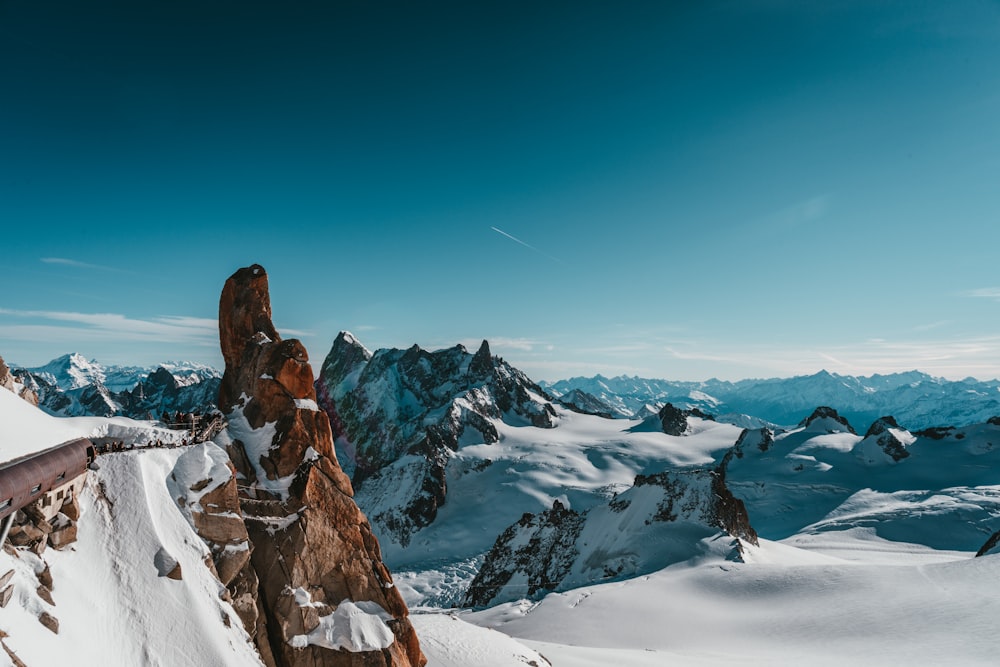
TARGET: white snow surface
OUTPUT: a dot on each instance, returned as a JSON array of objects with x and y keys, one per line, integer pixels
[
  {"x": 788, "y": 606},
  {"x": 115, "y": 607},
  {"x": 856, "y": 580},
  {"x": 448, "y": 641},
  {"x": 352, "y": 626},
  {"x": 202, "y": 462},
  {"x": 26, "y": 429}
]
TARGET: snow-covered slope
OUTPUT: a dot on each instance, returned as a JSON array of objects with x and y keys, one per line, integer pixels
[
  {"x": 938, "y": 489},
  {"x": 113, "y": 604},
  {"x": 112, "y": 598},
  {"x": 889, "y": 604}
]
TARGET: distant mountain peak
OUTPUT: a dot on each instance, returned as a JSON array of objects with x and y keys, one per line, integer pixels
[{"x": 826, "y": 417}]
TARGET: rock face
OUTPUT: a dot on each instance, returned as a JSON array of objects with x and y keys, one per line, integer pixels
[
  {"x": 760, "y": 438},
  {"x": 889, "y": 437},
  {"x": 825, "y": 417},
  {"x": 664, "y": 518},
  {"x": 321, "y": 576},
  {"x": 671, "y": 420},
  {"x": 991, "y": 546},
  {"x": 675, "y": 420},
  {"x": 401, "y": 414},
  {"x": 580, "y": 401},
  {"x": 10, "y": 383}
]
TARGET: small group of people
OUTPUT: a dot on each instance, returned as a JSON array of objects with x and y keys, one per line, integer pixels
[{"x": 111, "y": 446}]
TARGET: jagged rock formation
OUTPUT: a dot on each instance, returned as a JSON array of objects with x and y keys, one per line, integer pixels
[
  {"x": 760, "y": 438},
  {"x": 327, "y": 596},
  {"x": 825, "y": 417},
  {"x": 664, "y": 518},
  {"x": 889, "y": 437},
  {"x": 82, "y": 391},
  {"x": 162, "y": 391},
  {"x": 675, "y": 420},
  {"x": 413, "y": 409},
  {"x": 10, "y": 383}
]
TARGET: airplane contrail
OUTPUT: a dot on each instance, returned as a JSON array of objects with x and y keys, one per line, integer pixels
[{"x": 526, "y": 245}]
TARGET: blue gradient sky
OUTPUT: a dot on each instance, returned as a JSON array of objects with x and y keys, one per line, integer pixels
[{"x": 733, "y": 189}]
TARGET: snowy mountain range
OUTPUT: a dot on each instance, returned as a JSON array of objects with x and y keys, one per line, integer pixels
[
  {"x": 915, "y": 398},
  {"x": 802, "y": 536},
  {"x": 72, "y": 385}
]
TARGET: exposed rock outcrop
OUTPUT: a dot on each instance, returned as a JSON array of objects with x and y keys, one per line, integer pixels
[
  {"x": 672, "y": 420},
  {"x": 580, "y": 401},
  {"x": 318, "y": 563},
  {"x": 889, "y": 437},
  {"x": 675, "y": 420},
  {"x": 826, "y": 418},
  {"x": 10, "y": 383},
  {"x": 664, "y": 518},
  {"x": 761, "y": 439},
  {"x": 399, "y": 416},
  {"x": 991, "y": 546}
]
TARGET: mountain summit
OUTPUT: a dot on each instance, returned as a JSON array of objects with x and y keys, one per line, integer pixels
[{"x": 328, "y": 598}]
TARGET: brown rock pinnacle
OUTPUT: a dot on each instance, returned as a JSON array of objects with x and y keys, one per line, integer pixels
[{"x": 319, "y": 566}]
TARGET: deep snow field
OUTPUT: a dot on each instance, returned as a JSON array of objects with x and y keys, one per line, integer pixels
[{"x": 832, "y": 591}]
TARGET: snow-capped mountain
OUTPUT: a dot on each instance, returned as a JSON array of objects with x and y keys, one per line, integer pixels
[
  {"x": 915, "y": 398},
  {"x": 936, "y": 488},
  {"x": 401, "y": 415},
  {"x": 73, "y": 386},
  {"x": 664, "y": 518}
]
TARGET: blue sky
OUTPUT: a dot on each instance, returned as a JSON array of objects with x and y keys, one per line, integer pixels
[{"x": 679, "y": 190}]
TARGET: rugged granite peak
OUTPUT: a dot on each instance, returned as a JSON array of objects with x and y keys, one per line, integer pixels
[
  {"x": 825, "y": 417},
  {"x": 327, "y": 596},
  {"x": 887, "y": 436},
  {"x": 401, "y": 414},
  {"x": 664, "y": 518}
]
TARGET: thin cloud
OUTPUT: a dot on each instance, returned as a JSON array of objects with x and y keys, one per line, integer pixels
[
  {"x": 80, "y": 265},
  {"x": 526, "y": 245},
  {"x": 295, "y": 333},
  {"x": 109, "y": 326},
  {"x": 984, "y": 293}
]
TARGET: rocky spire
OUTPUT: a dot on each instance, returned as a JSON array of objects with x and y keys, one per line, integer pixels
[
  {"x": 328, "y": 598},
  {"x": 482, "y": 361}
]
